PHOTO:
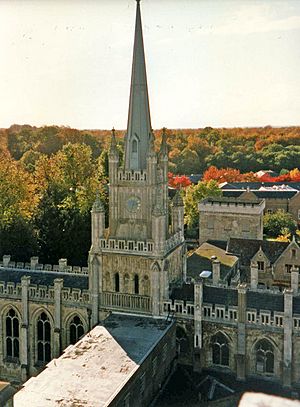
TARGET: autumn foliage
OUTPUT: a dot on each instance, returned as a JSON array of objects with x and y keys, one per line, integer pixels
[
  {"x": 227, "y": 175},
  {"x": 178, "y": 181}
]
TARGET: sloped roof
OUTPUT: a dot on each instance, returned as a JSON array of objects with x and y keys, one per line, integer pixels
[
  {"x": 247, "y": 248},
  {"x": 264, "y": 300},
  {"x": 39, "y": 277},
  {"x": 200, "y": 260},
  {"x": 256, "y": 185},
  {"x": 220, "y": 295}
]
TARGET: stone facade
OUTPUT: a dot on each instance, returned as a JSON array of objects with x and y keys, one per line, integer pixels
[{"x": 221, "y": 218}]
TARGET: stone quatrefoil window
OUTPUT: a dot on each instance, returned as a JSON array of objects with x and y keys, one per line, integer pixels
[
  {"x": 220, "y": 350},
  {"x": 76, "y": 330},
  {"x": 264, "y": 357},
  {"x": 43, "y": 339},
  {"x": 12, "y": 335}
]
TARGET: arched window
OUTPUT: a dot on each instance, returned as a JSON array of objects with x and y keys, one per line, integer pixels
[
  {"x": 136, "y": 284},
  {"x": 12, "y": 334},
  {"x": 76, "y": 330},
  {"x": 264, "y": 356},
  {"x": 117, "y": 282},
  {"x": 43, "y": 339},
  {"x": 220, "y": 350},
  {"x": 134, "y": 146}
]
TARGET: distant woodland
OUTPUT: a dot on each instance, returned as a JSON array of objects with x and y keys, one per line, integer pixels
[{"x": 49, "y": 177}]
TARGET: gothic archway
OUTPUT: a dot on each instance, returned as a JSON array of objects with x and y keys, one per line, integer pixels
[
  {"x": 264, "y": 356},
  {"x": 220, "y": 349}
]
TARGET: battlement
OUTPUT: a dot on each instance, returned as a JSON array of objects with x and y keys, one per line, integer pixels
[
  {"x": 131, "y": 175},
  {"x": 140, "y": 247},
  {"x": 232, "y": 205},
  {"x": 61, "y": 267},
  {"x": 44, "y": 293}
]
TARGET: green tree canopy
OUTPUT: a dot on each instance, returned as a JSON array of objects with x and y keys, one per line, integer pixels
[
  {"x": 278, "y": 223},
  {"x": 193, "y": 195}
]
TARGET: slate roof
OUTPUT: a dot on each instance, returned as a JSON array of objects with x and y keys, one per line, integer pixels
[
  {"x": 44, "y": 278},
  {"x": 200, "y": 260},
  {"x": 296, "y": 305},
  {"x": 261, "y": 194},
  {"x": 264, "y": 300},
  {"x": 184, "y": 293},
  {"x": 247, "y": 248},
  {"x": 219, "y": 295},
  {"x": 256, "y": 185}
]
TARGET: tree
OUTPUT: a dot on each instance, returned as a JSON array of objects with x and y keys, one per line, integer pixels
[
  {"x": 279, "y": 223},
  {"x": 178, "y": 181},
  {"x": 193, "y": 195},
  {"x": 67, "y": 184}
]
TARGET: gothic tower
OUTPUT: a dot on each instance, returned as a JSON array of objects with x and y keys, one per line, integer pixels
[{"x": 133, "y": 262}]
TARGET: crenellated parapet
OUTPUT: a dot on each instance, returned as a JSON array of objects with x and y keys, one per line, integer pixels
[
  {"x": 62, "y": 267},
  {"x": 136, "y": 176},
  {"x": 139, "y": 247},
  {"x": 43, "y": 293}
]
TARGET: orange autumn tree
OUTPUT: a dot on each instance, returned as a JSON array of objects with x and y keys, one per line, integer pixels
[
  {"x": 178, "y": 181},
  {"x": 291, "y": 176},
  {"x": 227, "y": 175}
]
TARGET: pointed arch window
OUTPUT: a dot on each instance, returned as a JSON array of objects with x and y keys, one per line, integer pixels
[
  {"x": 117, "y": 282},
  {"x": 136, "y": 284},
  {"x": 12, "y": 325},
  {"x": 264, "y": 356},
  {"x": 43, "y": 339},
  {"x": 76, "y": 329},
  {"x": 220, "y": 350}
]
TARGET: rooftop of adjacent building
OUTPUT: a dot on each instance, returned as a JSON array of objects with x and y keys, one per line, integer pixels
[{"x": 95, "y": 369}]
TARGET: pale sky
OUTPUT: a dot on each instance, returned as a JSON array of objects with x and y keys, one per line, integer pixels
[{"x": 209, "y": 63}]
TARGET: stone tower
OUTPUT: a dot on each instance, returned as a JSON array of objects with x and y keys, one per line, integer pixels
[{"x": 133, "y": 262}]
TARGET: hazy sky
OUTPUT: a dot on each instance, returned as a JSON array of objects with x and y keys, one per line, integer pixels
[{"x": 209, "y": 63}]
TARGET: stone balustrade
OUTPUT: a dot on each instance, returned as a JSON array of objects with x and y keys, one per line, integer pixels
[{"x": 130, "y": 302}]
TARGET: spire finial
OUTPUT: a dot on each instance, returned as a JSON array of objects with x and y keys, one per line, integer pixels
[
  {"x": 113, "y": 144},
  {"x": 164, "y": 145}
]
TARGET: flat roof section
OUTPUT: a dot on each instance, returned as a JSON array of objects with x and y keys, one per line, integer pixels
[{"x": 94, "y": 370}]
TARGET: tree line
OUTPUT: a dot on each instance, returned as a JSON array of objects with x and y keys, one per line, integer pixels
[{"x": 49, "y": 177}]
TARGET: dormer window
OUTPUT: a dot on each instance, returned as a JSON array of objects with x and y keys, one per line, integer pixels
[{"x": 261, "y": 265}]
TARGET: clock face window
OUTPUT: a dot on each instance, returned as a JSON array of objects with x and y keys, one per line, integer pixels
[{"x": 133, "y": 204}]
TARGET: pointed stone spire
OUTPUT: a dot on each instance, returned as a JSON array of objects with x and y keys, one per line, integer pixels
[
  {"x": 138, "y": 134},
  {"x": 177, "y": 200},
  {"x": 113, "y": 150},
  {"x": 98, "y": 205},
  {"x": 164, "y": 145}
]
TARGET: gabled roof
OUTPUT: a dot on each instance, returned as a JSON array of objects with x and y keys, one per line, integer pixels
[{"x": 247, "y": 248}]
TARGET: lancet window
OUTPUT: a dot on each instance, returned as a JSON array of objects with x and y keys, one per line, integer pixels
[
  {"x": 43, "y": 338},
  {"x": 12, "y": 334},
  {"x": 220, "y": 350},
  {"x": 76, "y": 330},
  {"x": 264, "y": 356}
]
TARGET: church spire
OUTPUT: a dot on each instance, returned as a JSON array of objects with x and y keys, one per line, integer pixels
[{"x": 139, "y": 124}]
